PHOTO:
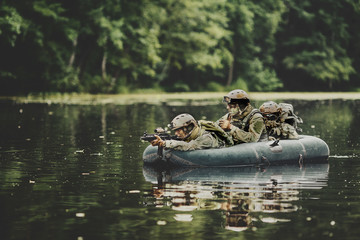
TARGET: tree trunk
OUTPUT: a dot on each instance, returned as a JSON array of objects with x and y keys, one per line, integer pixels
[
  {"x": 72, "y": 57},
  {"x": 230, "y": 76},
  {"x": 103, "y": 67},
  {"x": 231, "y": 69}
]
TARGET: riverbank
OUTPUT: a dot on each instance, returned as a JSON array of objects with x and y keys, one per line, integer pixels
[{"x": 174, "y": 98}]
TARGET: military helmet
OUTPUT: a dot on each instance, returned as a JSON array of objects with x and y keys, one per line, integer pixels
[
  {"x": 269, "y": 107},
  {"x": 287, "y": 108},
  {"x": 182, "y": 120},
  {"x": 236, "y": 94}
]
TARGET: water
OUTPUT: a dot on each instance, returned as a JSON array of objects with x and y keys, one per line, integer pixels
[{"x": 72, "y": 171}]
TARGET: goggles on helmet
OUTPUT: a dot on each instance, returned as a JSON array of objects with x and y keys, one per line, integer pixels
[{"x": 270, "y": 116}]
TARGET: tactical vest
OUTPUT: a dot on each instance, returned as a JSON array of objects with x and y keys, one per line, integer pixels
[{"x": 245, "y": 123}]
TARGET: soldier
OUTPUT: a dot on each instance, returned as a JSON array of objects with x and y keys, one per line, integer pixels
[
  {"x": 276, "y": 123},
  {"x": 244, "y": 123},
  {"x": 191, "y": 134}
]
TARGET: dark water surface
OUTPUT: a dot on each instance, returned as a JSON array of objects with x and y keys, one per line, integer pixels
[{"x": 76, "y": 172}]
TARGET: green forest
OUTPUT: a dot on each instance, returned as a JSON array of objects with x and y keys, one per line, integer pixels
[{"x": 124, "y": 46}]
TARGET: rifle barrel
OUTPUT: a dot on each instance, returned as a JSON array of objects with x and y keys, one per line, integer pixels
[{"x": 163, "y": 136}]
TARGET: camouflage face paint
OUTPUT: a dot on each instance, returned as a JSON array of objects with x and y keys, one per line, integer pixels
[{"x": 233, "y": 109}]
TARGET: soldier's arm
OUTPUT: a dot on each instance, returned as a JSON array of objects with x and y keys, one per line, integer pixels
[
  {"x": 256, "y": 127},
  {"x": 202, "y": 142}
]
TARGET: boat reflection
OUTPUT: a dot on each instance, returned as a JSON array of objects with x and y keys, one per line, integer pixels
[{"x": 244, "y": 195}]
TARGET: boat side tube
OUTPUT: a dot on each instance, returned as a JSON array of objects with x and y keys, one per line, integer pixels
[{"x": 306, "y": 149}]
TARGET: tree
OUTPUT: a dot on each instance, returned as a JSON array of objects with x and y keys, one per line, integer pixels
[
  {"x": 254, "y": 26},
  {"x": 192, "y": 38},
  {"x": 315, "y": 44},
  {"x": 116, "y": 46},
  {"x": 12, "y": 25}
]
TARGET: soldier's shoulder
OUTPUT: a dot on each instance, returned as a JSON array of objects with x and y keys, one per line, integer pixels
[{"x": 257, "y": 115}]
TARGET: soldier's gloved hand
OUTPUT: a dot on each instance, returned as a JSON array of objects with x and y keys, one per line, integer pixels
[
  {"x": 225, "y": 124},
  {"x": 275, "y": 131},
  {"x": 271, "y": 138},
  {"x": 158, "y": 142}
]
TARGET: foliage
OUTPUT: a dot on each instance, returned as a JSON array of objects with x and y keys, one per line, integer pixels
[
  {"x": 192, "y": 40},
  {"x": 215, "y": 87},
  {"x": 116, "y": 46},
  {"x": 254, "y": 27},
  {"x": 316, "y": 38}
]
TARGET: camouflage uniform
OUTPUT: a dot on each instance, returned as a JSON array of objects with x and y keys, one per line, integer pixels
[
  {"x": 201, "y": 139},
  {"x": 281, "y": 130},
  {"x": 284, "y": 126},
  {"x": 288, "y": 131},
  {"x": 245, "y": 130}
]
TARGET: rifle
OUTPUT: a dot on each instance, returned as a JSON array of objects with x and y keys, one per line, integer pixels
[{"x": 162, "y": 134}]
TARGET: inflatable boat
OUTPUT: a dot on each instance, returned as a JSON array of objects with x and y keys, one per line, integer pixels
[{"x": 306, "y": 149}]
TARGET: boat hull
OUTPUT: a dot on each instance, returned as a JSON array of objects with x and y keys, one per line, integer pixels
[{"x": 306, "y": 149}]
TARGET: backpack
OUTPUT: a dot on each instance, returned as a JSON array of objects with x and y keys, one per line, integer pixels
[
  {"x": 287, "y": 115},
  {"x": 217, "y": 130}
]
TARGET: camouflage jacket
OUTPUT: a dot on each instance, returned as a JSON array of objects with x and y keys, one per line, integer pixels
[
  {"x": 246, "y": 128},
  {"x": 282, "y": 130},
  {"x": 203, "y": 140}
]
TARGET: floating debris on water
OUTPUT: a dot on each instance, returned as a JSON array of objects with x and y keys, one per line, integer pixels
[
  {"x": 160, "y": 222},
  {"x": 134, "y": 191},
  {"x": 80, "y": 215},
  {"x": 96, "y": 154}
]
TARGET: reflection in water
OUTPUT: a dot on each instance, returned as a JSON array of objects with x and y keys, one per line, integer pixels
[{"x": 241, "y": 194}]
